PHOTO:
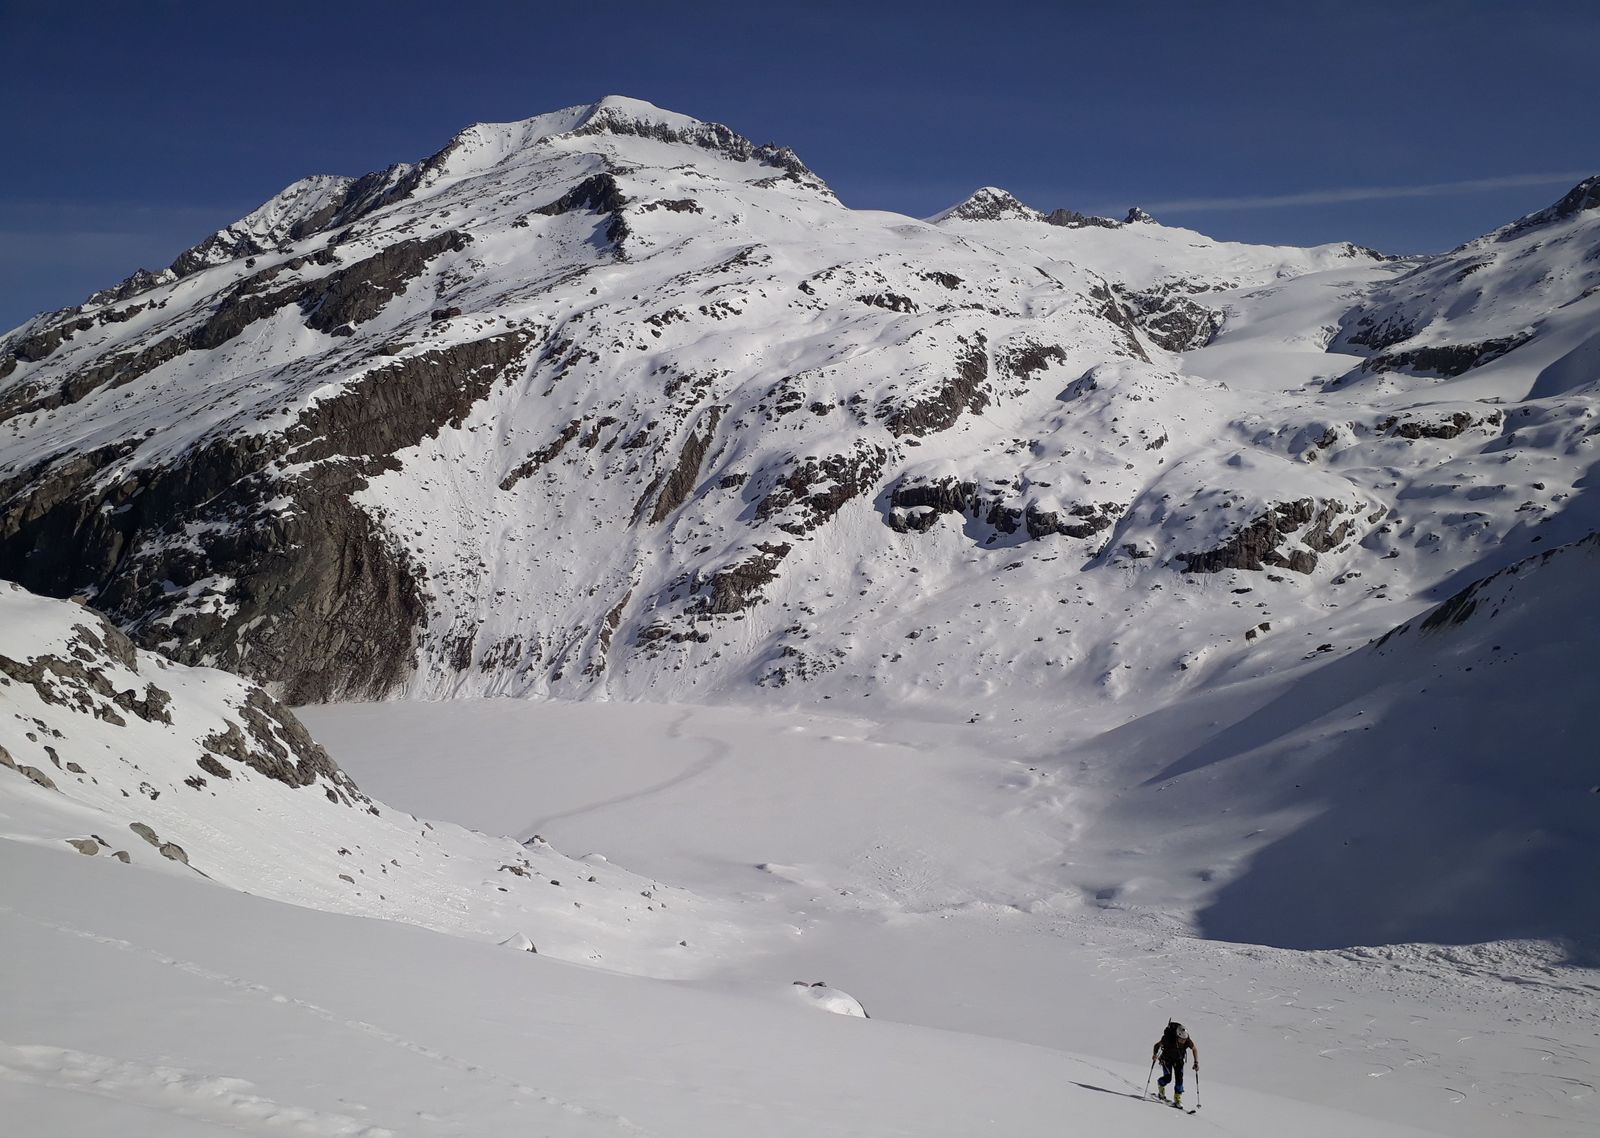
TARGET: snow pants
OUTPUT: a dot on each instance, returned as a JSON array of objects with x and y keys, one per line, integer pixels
[{"x": 1171, "y": 1071}]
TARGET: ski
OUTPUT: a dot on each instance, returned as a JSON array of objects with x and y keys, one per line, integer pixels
[{"x": 1173, "y": 1105}]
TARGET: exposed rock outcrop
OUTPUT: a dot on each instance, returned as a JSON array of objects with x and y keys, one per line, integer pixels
[
  {"x": 73, "y": 665},
  {"x": 333, "y": 604},
  {"x": 738, "y": 587},
  {"x": 1072, "y": 219},
  {"x": 816, "y": 489},
  {"x": 1171, "y": 317},
  {"x": 1268, "y": 540},
  {"x": 916, "y": 504},
  {"x": 965, "y": 389},
  {"x": 1446, "y": 359}
]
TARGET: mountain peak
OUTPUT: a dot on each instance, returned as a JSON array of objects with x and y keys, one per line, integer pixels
[
  {"x": 484, "y": 145},
  {"x": 1581, "y": 198},
  {"x": 990, "y": 203},
  {"x": 1584, "y": 196},
  {"x": 621, "y": 108}
]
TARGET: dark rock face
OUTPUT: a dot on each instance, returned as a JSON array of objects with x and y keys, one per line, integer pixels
[
  {"x": 1461, "y": 607},
  {"x": 1446, "y": 359},
  {"x": 1083, "y": 520},
  {"x": 678, "y": 205},
  {"x": 39, "y": 345},
  {"x": 358, "y": 198},
  {"x": 894, "y": 302},
  {"x": 738, "y": 587},
  {"x": 915, "y": 506},
  {"x": 990, "y": 204},
  {"x": 600, "y": 194},
  {"x": 608, "y": 629},
  {"x": 79, "y": 683},
  {"x": 1112, "y": 311},
  {"x": 141, "y": 280},
  {"x": 672, "y": 489},
  {"x": 332, "y": 304},
  {"x": 543, "y": 456},
  {"x": 1029, "y": 359},
  {"x": 817, "y": 488},
  {"x": 1442, "y": 427},
  {"x": 173, "y": 852},
  {"x": 358, "y": 293},
  {"x": 1367, "y": 331},
  {"x": 961, "y": 391},
  {"x": 259, "y": 734},
  {"x": 708, "y": 136},
  {"x": 273, "y": 742},
  {"x": 36, "y": 776},
  {"x": 1072, "y": 219},
  {"x": 1255, "y": 546},
  {"x": 333, "y": 607},
  {"x": 1171, "y": 317},
  {"x": 1585, "y": 195}
]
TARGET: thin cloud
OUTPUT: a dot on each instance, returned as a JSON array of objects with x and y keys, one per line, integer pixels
[{"x": 1362, "y": 194}]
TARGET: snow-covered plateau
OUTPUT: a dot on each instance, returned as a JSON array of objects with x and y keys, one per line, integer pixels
[{"x": 713, "y": 607}]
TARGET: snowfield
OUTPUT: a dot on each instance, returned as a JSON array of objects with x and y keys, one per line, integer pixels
[{"x": 200, "y": 1011}]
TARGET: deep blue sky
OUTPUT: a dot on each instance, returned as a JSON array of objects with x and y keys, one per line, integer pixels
[{"x": 132, "y": 130}]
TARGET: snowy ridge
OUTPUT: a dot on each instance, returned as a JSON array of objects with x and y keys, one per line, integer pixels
[
  {"x": 269, "y": 225},
  {"x": 1516, "y": 305}
]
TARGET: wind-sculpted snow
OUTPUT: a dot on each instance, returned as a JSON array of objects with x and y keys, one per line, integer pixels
[{"x": 538, "y": 413}]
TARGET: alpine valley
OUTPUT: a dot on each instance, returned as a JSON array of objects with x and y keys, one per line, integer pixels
[{"x": 987, "y": 609}]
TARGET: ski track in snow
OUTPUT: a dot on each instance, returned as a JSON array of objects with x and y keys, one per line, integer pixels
[
  {"x": 189, "y": 1094},
  {"x": 719, "y": 752}
]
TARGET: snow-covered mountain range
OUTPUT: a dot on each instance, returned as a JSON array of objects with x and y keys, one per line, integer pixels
[
  {"x": 1162, "y": 592},
  {"x": 613, "y": 402}
]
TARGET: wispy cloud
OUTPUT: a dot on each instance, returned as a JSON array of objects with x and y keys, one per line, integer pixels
[{"x": 1363, "y": 193}]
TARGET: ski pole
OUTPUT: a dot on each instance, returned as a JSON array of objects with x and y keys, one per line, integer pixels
[
  {"x": 1148, "y": 1077},
  {"x": 1197, "y": 1088}
]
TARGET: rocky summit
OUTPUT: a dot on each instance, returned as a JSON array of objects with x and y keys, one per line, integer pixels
[{"x": 613, "y": 401}]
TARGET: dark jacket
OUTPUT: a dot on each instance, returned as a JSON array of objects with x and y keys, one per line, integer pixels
[{"x": 1170, "y": 1051}]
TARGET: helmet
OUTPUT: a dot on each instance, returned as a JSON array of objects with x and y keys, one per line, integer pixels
[{"x": 1178, "y": 1030}]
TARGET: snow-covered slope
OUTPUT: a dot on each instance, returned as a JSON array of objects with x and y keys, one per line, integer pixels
[
  {"x": 1434, "y": 786},
  {"x": 128, "y": 757},
  {"x": 1531, "y": 288},
  {"x": 613, "y": 402},
  {"x": 198, "y": 1013}
]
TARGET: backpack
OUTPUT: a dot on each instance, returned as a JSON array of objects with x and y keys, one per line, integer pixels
[{"x": 1173, "y": 1041}]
